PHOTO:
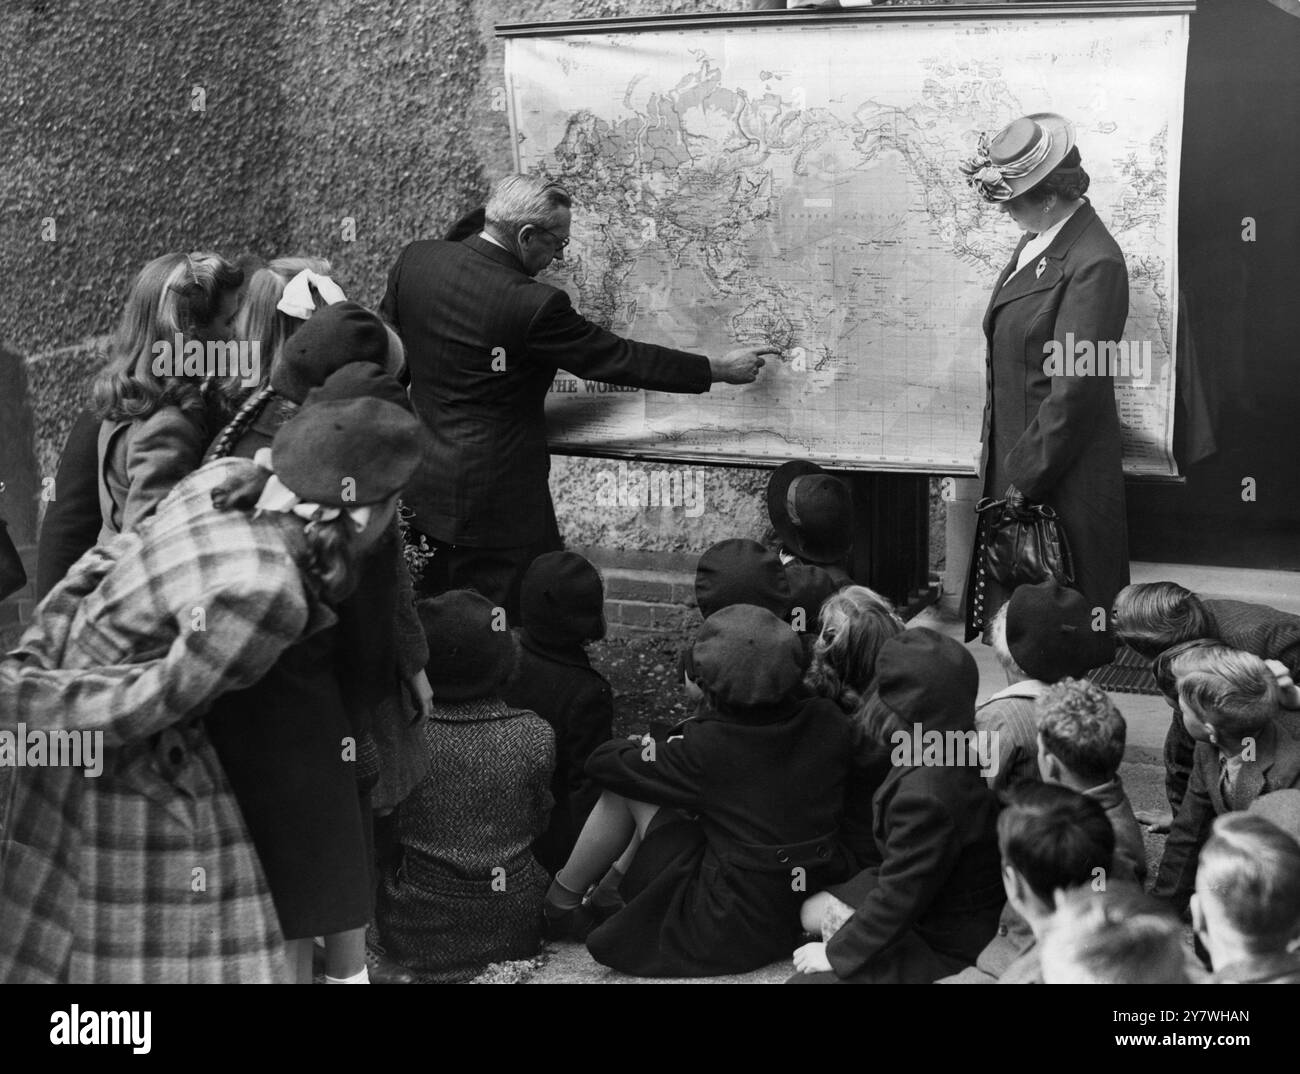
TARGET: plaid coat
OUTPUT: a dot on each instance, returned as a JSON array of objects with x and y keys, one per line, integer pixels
[{"x": 147, "y": 873}]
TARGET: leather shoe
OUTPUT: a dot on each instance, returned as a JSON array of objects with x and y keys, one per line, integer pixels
[{"x": 383, "y": 970}]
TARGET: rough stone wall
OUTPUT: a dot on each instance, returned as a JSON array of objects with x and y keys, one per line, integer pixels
[{"x": 373, "y": 112}]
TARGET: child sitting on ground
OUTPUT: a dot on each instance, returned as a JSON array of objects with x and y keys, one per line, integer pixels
[
  {"x": 562, "y": 602},
  {"x": 1051, "y": 839},
  {"x": 1043, "y": 634},
  {"x": 855, "y": 623},
  {"x": 1114, "y": 936},
  {"x": 1151, "y": 618},
  {"x": 736, "y": 814},
  {"x": 1246, "y": 908},
  {"x": 933, "y": 901},
  {"x": 467, "y": 890},
  {"x": 1080, "y": 744},
  {"x": 1247, "y": 744}
]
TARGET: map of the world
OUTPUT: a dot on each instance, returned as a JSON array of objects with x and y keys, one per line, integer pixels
[{"x": 799, "y": 186}]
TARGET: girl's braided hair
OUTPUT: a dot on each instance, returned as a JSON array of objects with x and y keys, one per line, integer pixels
[{"x": 244, "y": 417}]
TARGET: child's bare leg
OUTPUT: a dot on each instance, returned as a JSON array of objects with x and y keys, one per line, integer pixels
[
  {"x": 298, "y": 955},
  {"x": 812, "y": 911},
  {"x": 345, "y": 954},
  {"x": 605, "y": 836}
]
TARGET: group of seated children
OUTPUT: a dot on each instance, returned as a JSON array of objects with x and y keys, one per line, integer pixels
[{"x": 791, "y": 813}]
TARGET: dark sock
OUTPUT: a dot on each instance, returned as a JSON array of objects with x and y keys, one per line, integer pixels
[
  {"x": 560, "y": 898},
  {"x": 606, "y": 893}
]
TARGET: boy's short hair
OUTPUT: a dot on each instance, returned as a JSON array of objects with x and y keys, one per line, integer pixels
[
  {"x": 1162, "y": 667},
  {"x": 1054, "y": 837},
  {"x": 1081, "y": 727},
  {"x": 1232, "y": 691},
  {"x": 1116, "y": 936},
  {"x": 1150, "y": 617},
  {"x": 1250, "y": 870}
]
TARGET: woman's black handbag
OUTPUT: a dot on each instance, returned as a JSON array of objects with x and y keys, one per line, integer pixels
[
  {"x": 1023, "y": 543},
  {"x": 12, "y": 575}
]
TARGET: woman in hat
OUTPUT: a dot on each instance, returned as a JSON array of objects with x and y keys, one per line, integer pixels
[
  {"x": 1052, "y": 432},
  {"x": 467, "y": 890},
  {"x": 147, "y": 873}
]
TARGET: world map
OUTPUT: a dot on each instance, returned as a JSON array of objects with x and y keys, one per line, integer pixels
[{"x": 798, "y": 186}]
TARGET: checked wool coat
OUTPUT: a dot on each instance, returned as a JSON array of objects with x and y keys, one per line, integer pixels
[
  {"x": 147, "y": 873},
  {"x": 1057, "y": 438}
]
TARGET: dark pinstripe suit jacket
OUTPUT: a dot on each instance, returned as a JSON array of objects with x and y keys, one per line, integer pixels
[{"x": 454, "y": 305}]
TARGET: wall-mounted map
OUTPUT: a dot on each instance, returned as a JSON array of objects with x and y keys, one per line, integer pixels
[{"x": 798, "y": 185}]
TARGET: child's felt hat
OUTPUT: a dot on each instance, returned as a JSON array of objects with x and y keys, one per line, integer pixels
[
  {"x": 811, "y": 511},
  {"x": 746, "y": 657},
  {"x": 562, "y": 599},
  {"x": 358, "y": 380},
  {"x": 1050, "y": 633},
  {"x": 925, "y": 677},
  {"x": 331, "y": 338},
  {"x": 347, "y": 453},
  {"x": 739, "y": 571},
  {"x": 471, "y": 649}
]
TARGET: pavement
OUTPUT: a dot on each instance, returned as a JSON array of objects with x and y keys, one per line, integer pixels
[{"x": 1142, "y": 770}]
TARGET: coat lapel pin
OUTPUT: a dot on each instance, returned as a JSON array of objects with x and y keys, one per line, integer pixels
[{"x": 1042, "y": 267}]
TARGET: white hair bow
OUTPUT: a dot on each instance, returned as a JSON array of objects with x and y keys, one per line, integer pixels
[
  {"x": 297, "y": 301},
  {"x": 276, "y": 496}
]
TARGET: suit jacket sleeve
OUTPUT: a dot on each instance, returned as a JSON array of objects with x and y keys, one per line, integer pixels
[
  {"x": 921, "y": 850},
  {"x": 73, "y": 518},
  {"x": 560, "y": 337},
  {"x": 166, "y": 448},
  {"x": 388, "y": 304},
  {"x": 1177, "y": 877},
  {"x": 1094, "y": 307},
  {"x": 671, "y": 773}
]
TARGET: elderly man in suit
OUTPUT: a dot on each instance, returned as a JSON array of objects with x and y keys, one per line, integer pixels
[{"x": 484, "y": 340}]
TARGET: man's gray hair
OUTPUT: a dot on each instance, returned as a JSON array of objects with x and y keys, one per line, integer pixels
[{"x": 517, "y": 200}]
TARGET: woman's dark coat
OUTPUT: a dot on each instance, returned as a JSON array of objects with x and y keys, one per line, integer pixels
[
  {"x": 721, "y": 894},
  {"x": 1057, "y": 438}
]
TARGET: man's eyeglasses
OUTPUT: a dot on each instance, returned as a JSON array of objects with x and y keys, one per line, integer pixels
[{"x": 561, "y": 244}]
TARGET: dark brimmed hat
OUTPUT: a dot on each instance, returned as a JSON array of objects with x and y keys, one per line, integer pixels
[
  {"x": 562, "y": 599},
  {"x": 1050, "y": 634},
  {"x": 348, "y": 452},
  {"x": 1020, "y": 156},
  {"x": 811, "y": 511},
  {"x": 925, "y": 677},
  {"x": 361, "y": 380},
  {"x": 740, "y": 571},
  {"x": 469, "y": 657},
  {"x": 746, "y": 657},
  {"x": 331, "y": 337}
]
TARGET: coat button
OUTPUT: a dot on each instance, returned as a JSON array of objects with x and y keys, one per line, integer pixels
[
  {"x": 1002, "y": 930},
  {"x": 782, "y": 856}
]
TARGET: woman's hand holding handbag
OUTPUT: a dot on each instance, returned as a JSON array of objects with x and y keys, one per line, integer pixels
[{"x": 1023, "y": 543}]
